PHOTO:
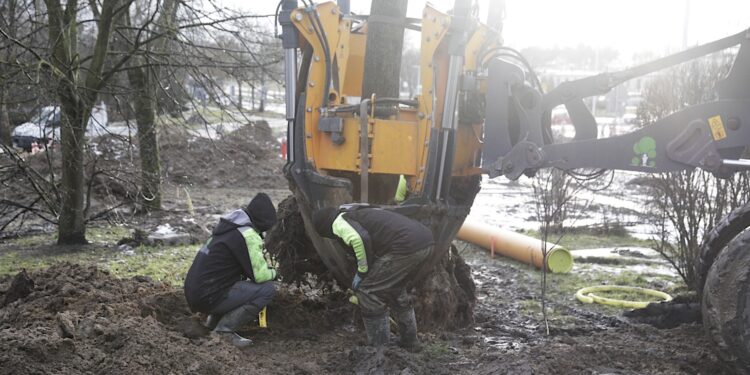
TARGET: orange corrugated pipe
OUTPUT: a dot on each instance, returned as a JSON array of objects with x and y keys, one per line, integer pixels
[{"x": 515, "y": 245}]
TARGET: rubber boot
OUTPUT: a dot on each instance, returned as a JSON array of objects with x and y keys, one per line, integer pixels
[
  {"x": 378, "y": 329},
  {"x": 211, "y": 321},
  {"x": 232, "y": 321},
  {"x": 407, "y": 329}
]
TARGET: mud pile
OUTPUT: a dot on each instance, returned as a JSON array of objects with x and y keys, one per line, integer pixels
[
  {"x": 246, "y": 157},
  {"x": 78, "y": 319}
]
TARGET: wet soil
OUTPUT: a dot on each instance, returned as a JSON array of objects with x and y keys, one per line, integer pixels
[
  {"x": 245, "y": 158},
  {"x": 79, "y": 319},
  {"x": 71, "y": 319}
]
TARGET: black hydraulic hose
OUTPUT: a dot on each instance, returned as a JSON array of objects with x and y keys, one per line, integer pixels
[
  {"x": 518, "y": 56},
  {"x": 319, "y": 32},
  {"x": 276, "y": 19}
]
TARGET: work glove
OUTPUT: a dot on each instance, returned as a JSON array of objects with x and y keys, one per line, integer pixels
[{"x": 357, "y": 280}]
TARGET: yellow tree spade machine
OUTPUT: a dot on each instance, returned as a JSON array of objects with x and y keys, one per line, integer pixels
[{"x": 482, "y": 110}]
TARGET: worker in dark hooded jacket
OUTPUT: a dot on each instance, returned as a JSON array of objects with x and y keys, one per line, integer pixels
[
  {"x": 389, "y": 249},
  {"x": 229, "y": 278}
]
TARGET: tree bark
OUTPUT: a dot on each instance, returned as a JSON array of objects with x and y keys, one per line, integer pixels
[
  {"x": 76, "y": 101},
  {"x": 239, "y": 94},
  {"x": 10, "y": 23},
  {"x": 148, "y": 144},
  {"x": 143, "y": 80},
  {"x": 384, "y": 47},
  {"x": 262, "y": 105},
  {"x": 4, "y": 118}
]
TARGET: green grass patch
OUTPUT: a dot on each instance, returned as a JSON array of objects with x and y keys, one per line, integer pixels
[
  {"x": 107, "y": 234},
  {"x": 167, "y": 264},
  {"x": 562, "y": 287},
  {"x": 574, "y": 241},
  {"x": 435, "y": 350}
]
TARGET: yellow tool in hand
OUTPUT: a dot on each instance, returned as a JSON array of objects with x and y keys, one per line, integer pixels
[{"x": 262, "y": 318}]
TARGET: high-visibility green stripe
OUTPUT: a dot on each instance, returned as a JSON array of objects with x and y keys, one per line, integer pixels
[
  {"x": 261, "y": 271},
  {"x": 350, "y": 237}
]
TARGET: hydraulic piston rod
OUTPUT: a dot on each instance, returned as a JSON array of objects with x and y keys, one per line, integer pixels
[{"x": 289, "y": 42}]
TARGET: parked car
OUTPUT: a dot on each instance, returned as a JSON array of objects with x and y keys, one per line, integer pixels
[{"x": 44, "y": 127}]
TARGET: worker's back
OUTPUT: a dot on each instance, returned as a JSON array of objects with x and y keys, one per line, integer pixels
[{"x": 390, "y": 231}]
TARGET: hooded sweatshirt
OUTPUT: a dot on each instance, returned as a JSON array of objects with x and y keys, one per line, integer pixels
[
  {"x": 374, "y": 232},
  {"x": 233, "y": 253}
]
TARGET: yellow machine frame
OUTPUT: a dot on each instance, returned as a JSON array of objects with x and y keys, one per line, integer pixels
[{"x": 399, "y": 145}]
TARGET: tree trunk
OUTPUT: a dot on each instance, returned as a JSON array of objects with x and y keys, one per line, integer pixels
[
  {"x": 239, "y": 94},
  {"x": 143, "y": 81},
  {"x": 145, "y": 115},
  {"x": 71, "y": 224},
  {"x": 262, "y": 105},
  {"x": 77, "y": 96},
  {"x": 384, "y": 47},
  {"x": 10, "y": 22},
  {"x": 4, "y": 119}
]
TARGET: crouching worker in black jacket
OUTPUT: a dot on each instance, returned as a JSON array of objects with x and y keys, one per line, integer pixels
[
  {"x": 229, "y": 278},
  {"x": 389, "y": 248}
]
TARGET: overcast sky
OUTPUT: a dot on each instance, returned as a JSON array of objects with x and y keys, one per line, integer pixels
[{"x": 626, "y": 25}]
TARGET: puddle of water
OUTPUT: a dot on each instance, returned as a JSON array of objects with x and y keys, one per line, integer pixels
[
  {"x": 511, "y": 205},
  {"x": 641, "y": 260},
  {"x": 506, "y": 344},
  {"x": 629, "y": 252}
]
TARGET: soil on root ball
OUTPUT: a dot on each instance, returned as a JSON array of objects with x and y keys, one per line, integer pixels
[
  {"x": 294, "y": 253},
  {"x": 443, "y": 299},
  {"x": 446, "y": 297}
]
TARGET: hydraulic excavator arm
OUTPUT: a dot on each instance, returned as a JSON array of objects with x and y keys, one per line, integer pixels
[
  {"x": 478, "y": 111},
  {"x": 711, "y": 136}
]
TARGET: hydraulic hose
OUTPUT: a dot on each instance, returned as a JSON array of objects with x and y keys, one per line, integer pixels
[{"x": 586, "y": 295}]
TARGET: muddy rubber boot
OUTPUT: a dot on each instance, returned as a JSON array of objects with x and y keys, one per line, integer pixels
[
  {"x": 232, "y": 321},
  {"x": 211, "y": 321},
  {"x": 407, "y": 329},
  {"x": 378, "y": 329}
]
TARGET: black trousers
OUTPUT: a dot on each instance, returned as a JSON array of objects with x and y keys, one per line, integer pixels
[
  {"x": 243, "y": 293},
  {"x": 387, "y": 281}
]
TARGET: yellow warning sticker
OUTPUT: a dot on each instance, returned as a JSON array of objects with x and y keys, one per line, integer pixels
[{"x": 717, "y": 128}]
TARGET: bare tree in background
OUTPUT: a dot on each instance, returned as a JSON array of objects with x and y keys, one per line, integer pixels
[
  {"x": 686, "y": 205},
  {"x": 19, "y": 34},
  {"x": 557, "y": 200},
  {"x": 143, "y": 78},
  {"x": 128, "y": 52},
  {"x": 77, "y": 90},
  {"x": 553, "y": 192},
  {"x": 8, "y": 21}
]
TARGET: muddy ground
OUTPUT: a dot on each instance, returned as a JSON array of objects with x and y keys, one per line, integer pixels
[{"x": 79, "y": 319}]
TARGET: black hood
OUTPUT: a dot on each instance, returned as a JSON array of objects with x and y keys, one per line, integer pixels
[
  {"x": 261, "y": 212},
  {"x": 231, "y": 221},
  {"x": 323, "y": 221}
]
